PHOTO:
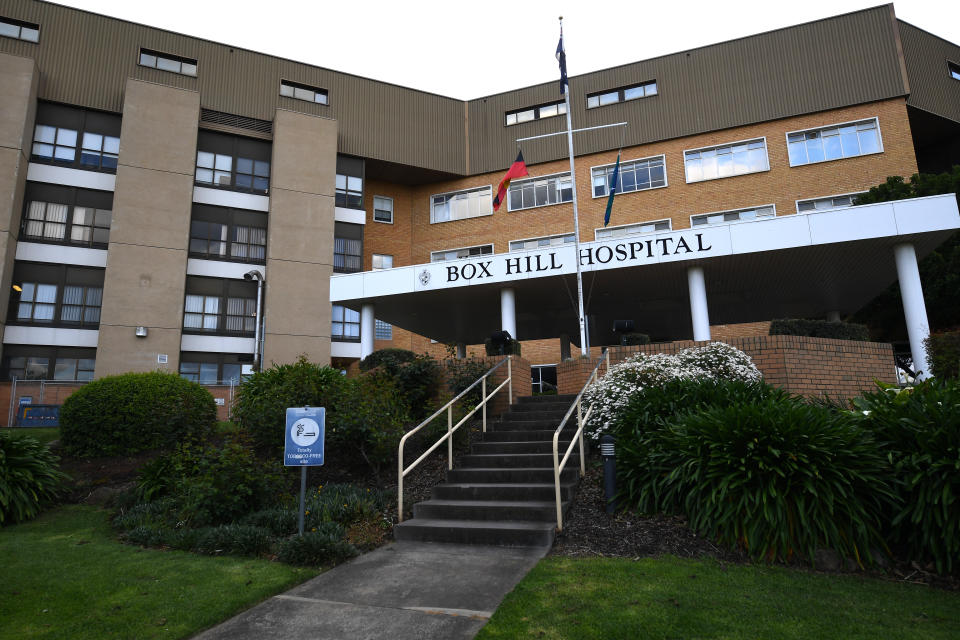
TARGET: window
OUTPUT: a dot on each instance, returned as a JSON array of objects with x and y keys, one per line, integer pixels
[
  {"x": 347, "y": 255},
  {"x": 19, "y": 29},
  {"x": 56, "y": 295},
  {"x": 60, "y": 214},
  {"x": 231, "y": 162},
  {"x": 382, "y": 261},
  {"x": 728, "y": 160},
  {"x": 527, "y": 114},
  {"x": 460, "y": 205},
  {"x": 383, "y": 330},
  {"x": 213, "y": 368},
  {"x": 345, "y": 324},
  {"x": 540, "y": 192},
  {"x": 220, "y": 233},
  {"x": 739, "y": 215},
  {"x": 456, "y": 254},
  {"x": 635, "y": 229},
  {"x": 543, "y": 377},
  {"x": 954, "y": 70},
  {"x": 220, "y": 306},
  {"x": 62, "y": 131},
  {"x": 612, "y": 96},
  {"x": 826, "y": 204},
  {"x": 303, "y": 92},
  {"x": 546, "y": 241},
  {"x": 168, "y": 62},
  {"x": 834, "y": 142},
  {"x": 31, "y": 362},
  {"x": 349, "y": 184},
  {"x": 382, "y": 209},
  {"x": 635, "y": 175}
]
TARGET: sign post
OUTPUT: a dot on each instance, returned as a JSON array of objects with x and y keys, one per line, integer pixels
[{"x": 303, "y": 446}]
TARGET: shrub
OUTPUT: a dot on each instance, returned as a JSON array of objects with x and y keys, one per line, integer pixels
[
  {"x": 343, "y": 503},
  {"x": 630, "y": 339},
  {"x": 416, "y": 377},
  {"x": 29, "y": 478},
  {"x": 820, "y": 329},
  {"x": 921, "y": 429},
  {"x": 232, "y": 539},
  {"x": 461, "y": 374},
  {"x": 134, "y": 412},
  {"x": 943, "y": 354},
  {"x": 510, "y": 347},
  {"x": 212, "y": 484},
  {"x": 776, "y": 477},
  {"x": 610, "y": 395},
  {"x": 262, "y": 399},
  {"x": 314, "y": 548},
  {"x": 652, "y": 406}
]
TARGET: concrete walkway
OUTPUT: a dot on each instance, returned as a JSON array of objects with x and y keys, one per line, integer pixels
[{"x": 406, "y": 590}]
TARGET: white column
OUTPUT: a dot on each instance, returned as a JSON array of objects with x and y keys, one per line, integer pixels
[
  {"x": 367, "y": 330},
  {"x": 508, "y": 312},
  {"x": 461, "y": 350},
  {"x": 698, "y": 303},
  {"x": 914, "y": 308},
  {"x": 833, "y": 316}
]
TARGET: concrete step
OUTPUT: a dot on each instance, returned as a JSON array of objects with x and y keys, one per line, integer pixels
[
  {"x": 545, "y": 407},
  {"x": 523, "y": 425},
  {"x": 524, "y": 416},
  {"x": 486, "y": 510},
  {"x": 566, "y": 398},
  {"x": 511, "y": 476},
  {"x": 491, "y": 460},
  {"x": 519, "y": 435},
  {"x": 495, "y": 532},
  {"x": 534, "y": 446},
  {"x": 502, "y": 491}
]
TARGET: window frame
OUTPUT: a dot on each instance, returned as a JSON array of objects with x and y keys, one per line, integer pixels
[
  {"x": 518, "y": 184},
  {"x": 236, "y": 148},
  {"x": 72, "y": 198},
  {"x": 373, "y": 261},
  {"x": 52, "y": 353},
  {"x": 570, "y": 234},
  {"x": 451, "y": 194},
  {"x": 21, "y": 25},
  {"x": 737, "y": 210},
  {"x": 836, "y": 125},
  {"x": 60, "y": 276},
  {"x": 477, "y": 246},
  {"x": 953, "y": 70},
  {"x": 610, "y": 165},
  {"x": 621, "y": 93},
  {"x": 82, "y": 123},
  {"x": 232, "y": 219},
  {"x": 766, "y": 155},
  {"x": 382, "y": 330},
  {"x": 169, "y": 57},
  {"x": 597, "y": 231},
  {"x": 317, "y": 91},
  {"x": 537, "y": 115},
  {"x": 223, "y": 290},
  {"x": 219, "y": 359},
  {"x": 340, "y": 337},
  {"x": 375, "y": 209},
  {"x": 853, "y": 195}
]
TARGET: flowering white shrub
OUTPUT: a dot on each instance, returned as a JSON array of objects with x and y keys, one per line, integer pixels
[{"x": 610, "y": 394}]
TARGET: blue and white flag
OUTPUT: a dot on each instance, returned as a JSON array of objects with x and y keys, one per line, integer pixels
[{"x": 614, "y": 181}]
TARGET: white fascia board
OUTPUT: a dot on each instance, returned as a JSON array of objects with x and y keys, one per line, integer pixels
[
  {"x": 344, "y": 349},
  {"x": 233, "y": 199},
  {"x": 222, "y": 268},
  {"x": 60, "y": 254},
  {"x": 216, "y": 344},
  {"x": 51, "y": 336},
  {"x": 37, "y": 172},
  {"x": 353, "y": 216}
]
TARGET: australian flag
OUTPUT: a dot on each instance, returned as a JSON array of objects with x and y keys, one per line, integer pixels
[{"x": 562, "y": 58}]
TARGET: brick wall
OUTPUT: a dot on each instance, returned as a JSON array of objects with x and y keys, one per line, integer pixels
[{"x": 812, "y": 367}]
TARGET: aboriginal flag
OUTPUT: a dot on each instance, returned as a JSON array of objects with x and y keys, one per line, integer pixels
[{"x": 517, "y": 170}]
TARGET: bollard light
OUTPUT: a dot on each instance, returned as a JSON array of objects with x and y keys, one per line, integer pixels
[{"x": 609, "y": 471}]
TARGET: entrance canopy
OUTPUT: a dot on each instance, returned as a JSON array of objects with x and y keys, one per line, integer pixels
[{"x": 803, "y": 265}]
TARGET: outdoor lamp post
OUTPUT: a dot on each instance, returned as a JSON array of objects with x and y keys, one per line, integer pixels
[
  {"x": 609, "y": 471},
  {"x": 257, "y": 275}
]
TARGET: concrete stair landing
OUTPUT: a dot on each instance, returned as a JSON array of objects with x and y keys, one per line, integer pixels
[{"x": 502, "y": 492}]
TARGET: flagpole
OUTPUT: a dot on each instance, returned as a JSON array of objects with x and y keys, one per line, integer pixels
[{"x": 584, "y": 345}]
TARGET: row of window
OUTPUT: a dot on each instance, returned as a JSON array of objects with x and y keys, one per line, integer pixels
[
  {"x": 59, "y": 144},
  {"x": 55, "y": 295},
  {"x": 597, "y": 99},
  {"x": 539, "y": 112},
  {"x": 707, "y": 163},
  {"x": 19, "y": 29}
]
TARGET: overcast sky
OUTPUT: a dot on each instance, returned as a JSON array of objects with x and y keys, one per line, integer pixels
[{"x": 468, "y": 50}]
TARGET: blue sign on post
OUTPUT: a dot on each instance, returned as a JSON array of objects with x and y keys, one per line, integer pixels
[{"x": 304, "y": 440}]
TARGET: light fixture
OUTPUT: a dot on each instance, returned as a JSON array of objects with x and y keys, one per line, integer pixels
[
  {"x": 141, "y": 332},
  {"x": 17, "y": 288}
]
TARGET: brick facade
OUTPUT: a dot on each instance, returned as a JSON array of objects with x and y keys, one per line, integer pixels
[{"x": 812, "y": 367}]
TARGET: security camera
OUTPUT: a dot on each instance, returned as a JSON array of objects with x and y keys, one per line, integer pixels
[{"x": 253, "y": 275}]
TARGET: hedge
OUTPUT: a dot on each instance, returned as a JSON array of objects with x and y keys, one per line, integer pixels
[{"x": 820, "y": 329}]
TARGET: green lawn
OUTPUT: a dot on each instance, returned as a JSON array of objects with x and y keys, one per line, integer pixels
[
  {"x": 64, "y": 575},
  {"x": 43, "y": 434},
  {"x": 678, "y": 598}
]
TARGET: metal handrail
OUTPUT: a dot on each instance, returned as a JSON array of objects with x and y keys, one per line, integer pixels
[
  {"x": 451, "y": 428},
  {"x": 558, "y": 464}
]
